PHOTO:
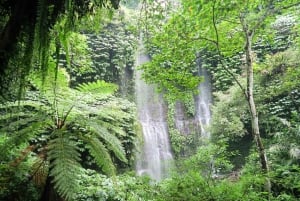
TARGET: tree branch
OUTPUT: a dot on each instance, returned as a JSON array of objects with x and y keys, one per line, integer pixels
[{"x": 220, "y": 54}]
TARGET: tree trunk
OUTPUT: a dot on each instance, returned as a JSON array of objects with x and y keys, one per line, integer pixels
[{"x": 251, "y": 102}]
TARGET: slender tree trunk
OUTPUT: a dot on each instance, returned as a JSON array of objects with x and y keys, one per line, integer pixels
[{"x": 251, "y": 102}]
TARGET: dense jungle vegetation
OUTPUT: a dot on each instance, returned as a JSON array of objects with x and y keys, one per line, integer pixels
[{"x": 68, "y": 123}]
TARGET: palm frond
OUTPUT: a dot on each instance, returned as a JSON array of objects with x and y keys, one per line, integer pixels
[{"x": 64, "y": 167}]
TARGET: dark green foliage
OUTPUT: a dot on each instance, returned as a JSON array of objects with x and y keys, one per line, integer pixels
[
  {"x": 15, "y": 183},
  {"x": 27, "y": 29},
  {"x": 286, "y": 181},
  {"x": 221, "y": 80}
]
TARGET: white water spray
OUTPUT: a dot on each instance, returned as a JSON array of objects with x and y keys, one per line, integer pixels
[
  {"x": 203, "y": 102},
  {"x": 155, "y": 158}
]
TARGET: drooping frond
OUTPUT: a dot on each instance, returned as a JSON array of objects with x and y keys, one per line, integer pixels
[
  {"x": 116, "y": 116},
  {"x": 111, "y": 141},
  {"x": 64, "y": 166},
  {"x": 100, "y": 154},
  {"x": 42, "y": 40}
]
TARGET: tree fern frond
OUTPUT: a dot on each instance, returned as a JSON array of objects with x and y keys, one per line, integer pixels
[
  {"x": 100, "y": 154},
  {"x": 19, "y": 122},
  {"x": 113, "y": 143},
  {"x": 99, "y": 87},
  {"x": 64, "y": 167},
  {"x": 112, "y": 127}
]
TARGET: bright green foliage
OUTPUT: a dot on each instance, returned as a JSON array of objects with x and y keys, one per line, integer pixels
[
  {"x": 107, "y": 54},
  {"x": 213, "y": 28},
  {"x": 77, "y": 58},
  {"x": 94, "y": 186},
  {"x": 278, "y": 102},
  {"x": 209, "y": 160},
  {"x": 197, "y": 181}
]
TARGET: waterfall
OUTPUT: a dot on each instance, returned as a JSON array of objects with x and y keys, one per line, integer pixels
[
  {"x": 155, "y": 157},
  {"x": 203, "y": 102}
]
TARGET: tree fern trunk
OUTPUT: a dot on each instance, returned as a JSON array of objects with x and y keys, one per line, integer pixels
[{"x": 49, "y": 194}]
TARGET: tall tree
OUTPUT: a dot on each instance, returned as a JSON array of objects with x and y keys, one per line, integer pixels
[{"x": 225, "y": 27}]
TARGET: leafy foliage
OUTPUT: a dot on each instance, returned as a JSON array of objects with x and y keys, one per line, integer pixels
[
  {"x": 123, "y": 187},
  {"x": 229, "y": 115},
  {"x": 106, "y": 54}
]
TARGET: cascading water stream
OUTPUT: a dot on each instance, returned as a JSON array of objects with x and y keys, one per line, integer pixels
[
  {"x": 203, "y": 102},
  {"x": 155, "y": 158}
]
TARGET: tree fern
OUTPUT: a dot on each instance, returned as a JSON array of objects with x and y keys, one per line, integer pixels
[
  {"x": 57, "y": 122},
  {"x": 21, "y": 131}
]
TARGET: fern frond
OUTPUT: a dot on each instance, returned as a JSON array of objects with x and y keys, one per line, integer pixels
[
  {"x": 24, "y": 153},
  {"x": 113, "y": 127},
  {"x": 99, "y": 87},
  {"x": 64, "y": 167},
  {"x": 112, "y": 142},
  {"x": 100, "y": 154}
]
